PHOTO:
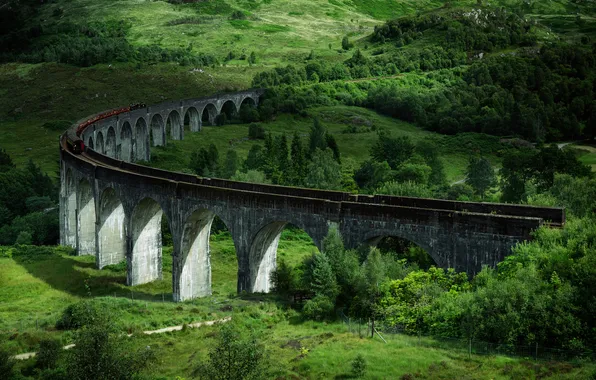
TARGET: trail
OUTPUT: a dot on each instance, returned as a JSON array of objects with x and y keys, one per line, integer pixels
[{"x": 28, "y": 355}]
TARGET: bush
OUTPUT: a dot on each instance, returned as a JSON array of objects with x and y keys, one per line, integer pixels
[
  {"x": 6, "y": 365},
  {"x": 48, "y": 354},
  {"x": 256, "y": 131},
  {"x": 77, "y": 315},
  {"x": 359, "y": 366},
  {"x": 318, "y": 308}
]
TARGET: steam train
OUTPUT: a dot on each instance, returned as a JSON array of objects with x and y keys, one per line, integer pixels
[{"x": 73, "y": 139}]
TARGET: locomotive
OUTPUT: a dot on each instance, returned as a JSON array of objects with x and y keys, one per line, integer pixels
[{"x": 73, "y": 139}]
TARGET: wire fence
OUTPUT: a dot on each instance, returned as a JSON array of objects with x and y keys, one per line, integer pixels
[{"x": 470, "y": 346}]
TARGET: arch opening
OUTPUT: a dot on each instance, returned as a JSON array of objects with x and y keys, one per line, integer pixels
[
  {"x": 195, "y": 273},
  {"x": 145, "y": 260},
  {"x": 208, "y": 114},
  {"x": 70, "y": 217},
  {"x": 277, "y": 241},
  {"x": 100, "y": 143},
  {"x": 248, "y": 102},
  {"x": 111, "y": 237},
  {"x": 223, "y": 258},
  {"x": 111, "y": 143},
  {"x": 141, "y": 141},
  {"x": 174, "y": 127},
  {"x": 192, "y": 120},
  {"x": 90, "y": 142},
  {"x": 126, "y": 142},
  {"x": 87, "y": 217},
  {"x": 158, "y": 131},
  {"x": 229, "y": 110},
  {"x": 401, "y": 248}
]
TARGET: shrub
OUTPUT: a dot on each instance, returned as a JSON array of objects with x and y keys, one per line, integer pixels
[
  {"x": 48, "y": 354},
  {"x": 318, "y": 308},
  {"x": 78, "y": 315},
  {"x": 256, "y": 131},
  {"x": 359, "y": 366},
  {"x": 6, "y": 365}
]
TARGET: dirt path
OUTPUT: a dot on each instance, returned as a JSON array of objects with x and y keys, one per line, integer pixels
[{"x": 28, "y": 355}]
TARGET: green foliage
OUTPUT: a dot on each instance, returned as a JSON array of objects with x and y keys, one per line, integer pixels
[
  {"x": 101, "y": 354},
  {"x": 48, "y": 354},
  {"x": 359, "y": 366},
  {"x": 577, "y": 195},
  {"x": 231, "y": 164},
  {"x": 372, "y": 174},
  {"x": 252, "y": 176},
  {"x": 346, "y": 44},
  {"x": 283, "y": 279},
  {"x": 80, "y": 314},
  {"x": 248, "y": 114},
  {"x": 316, "y": 138},
  {"x": 205, "y": 162},
  {"x": 405, "y": 189},
  {"x": 234, "y": 357},
  {"x": 394, "y": 150},
  {"x": 256, "y": 131},
  {"x": 323, "y": 171},
  {"x": 24, "y": 237},
  {"x": 6, "y": 365},
  {"x": 480, "y": 175}
]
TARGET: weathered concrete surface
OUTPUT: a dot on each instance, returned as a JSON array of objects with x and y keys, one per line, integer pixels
[{"x": 129, "y": 202}]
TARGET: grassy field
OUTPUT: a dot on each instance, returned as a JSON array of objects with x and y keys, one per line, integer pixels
[
  {"x": 36, "y": 288},
  {"x": 39, "y": 287}
]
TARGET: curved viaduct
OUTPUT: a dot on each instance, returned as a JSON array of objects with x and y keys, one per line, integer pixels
[{"x": 112, "y": 208}]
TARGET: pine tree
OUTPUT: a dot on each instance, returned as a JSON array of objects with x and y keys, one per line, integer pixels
[
  {"x": 316, "y": 138},
  {"x": 332, "y": 144},
  {"x": 298, "y": 162},
  {"x": 255, "y": 159},
  {"x": 231, "y": 164},
  {"x": 480, "y": 175}
]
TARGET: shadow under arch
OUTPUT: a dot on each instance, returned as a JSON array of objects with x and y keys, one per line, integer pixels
[
  {"x": 125, "y": 153},
  {"x": 70, "y": 217},
  {"x": 264, "y": 249},
  {"x": 403, "y": 247},
  {"x": 111, "y": 143},
  {"x": 145, "y": 259},
  {"x": 90, "y": 142},
  {"x": 174, "y": 127},
  {"x": 158, "y": 130},
  {"x": 86, "y": 219},
  {"x": 192, "y": 120},
  {"x": 111, "y": 236},
  {"x": 99, "y": 143},
  {"x": 141, "y": 144},
  {"x": 194, "y": 279},
  {"x": 248, "y": 101},
  {"x": 229, "y": 109},
  {"x": 208, "y": 114}
]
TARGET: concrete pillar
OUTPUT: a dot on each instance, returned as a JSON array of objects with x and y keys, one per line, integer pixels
[
  {"x": 145, "y": 258},
  {"x": 86, "y": 219},
  {"x": 111, "y": 231},
  {"x": 192, "y": 269},
  {"x": 70, "y": 211},
  {"x": 263, "y": 253}
]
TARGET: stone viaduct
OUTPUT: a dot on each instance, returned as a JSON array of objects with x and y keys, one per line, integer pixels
[{"x": 112, "y": 208}]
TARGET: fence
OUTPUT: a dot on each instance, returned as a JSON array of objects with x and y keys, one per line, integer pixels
[{"x": 465, "y": 345}]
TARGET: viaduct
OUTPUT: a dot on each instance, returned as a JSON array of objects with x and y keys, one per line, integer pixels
[{"x": 112, "y": 208}]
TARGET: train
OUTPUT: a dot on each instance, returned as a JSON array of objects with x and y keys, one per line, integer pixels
[{"x": 73, "y": 139}]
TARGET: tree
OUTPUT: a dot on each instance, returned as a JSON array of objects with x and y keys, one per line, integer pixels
[
  {"x": 6, "y": 163},
  {"x": 316, "y": 138},
  {"x": 48, "y": 354},
  {"x": 332, "y": 144},
  {"x": 323, "y": 171},
  {"x": 405, "y": 189},
  {"x": 298, "y": 163},
  {"x": 231, "y": 164},
  {"x": 372, "y": 174},
  {"x": 205, "y": 162},
  {"x": 255, "y": 159},
  {"x": 394, "y": 150},
  {"x": 6, "y": 365},
  {"x": 234, "y": 357},
  {"x": 252, "y": 59},
  {"x": 345, "y": 43},
  {"x": 252, "y": 176},
  {"x": 480, "y": 175}
]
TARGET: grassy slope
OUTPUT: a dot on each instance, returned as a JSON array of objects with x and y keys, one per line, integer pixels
[{"x": 39, "y": 288}]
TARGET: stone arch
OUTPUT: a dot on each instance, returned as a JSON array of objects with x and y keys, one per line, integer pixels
[
  {"x": 70, "y": 217},
  {"x": 141, "y": 141},
  {"x": 373, "y": 238},
  {"x": 90, "y": 142},
  {"x": 145, "y": 259},
  {"x": 111, "y": 142},
  {"x": 208, "y": 114},
  {"x": 100, "y": 143},
  {"x": 229, "y": 109},
  {"x": 194, "y": 279},
  {"x": 174, "y": 126},
  {"x": 263, "y": 253},
  {"x": 248, "y": 101},
  {"x": 158, "y": 133},
  {"x": 192, "y": 119},
  {"x": 86, "y": 219},
  {"x": 111, "y": 236},
  {"x": 126, "y": 142}
]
